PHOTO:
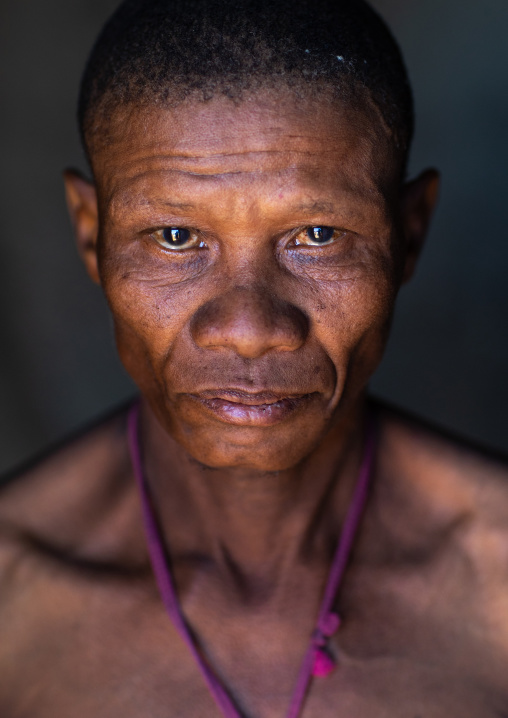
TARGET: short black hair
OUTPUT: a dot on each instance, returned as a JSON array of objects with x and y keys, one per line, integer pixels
[{"x": 164, "y": 51}]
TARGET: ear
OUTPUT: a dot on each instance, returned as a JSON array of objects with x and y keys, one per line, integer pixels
[
  {"x": 82, "y": 203},
  {"x": 419, "y": 198}
]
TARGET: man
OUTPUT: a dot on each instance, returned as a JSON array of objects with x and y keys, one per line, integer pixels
[{"x": 250, "y": 224}]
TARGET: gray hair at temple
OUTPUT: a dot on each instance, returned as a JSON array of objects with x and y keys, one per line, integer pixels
[{"x": 162, "y": 52}]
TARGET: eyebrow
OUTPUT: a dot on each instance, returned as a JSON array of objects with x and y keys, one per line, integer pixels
[
  {"x": 315, "y": 207},
  {"x": 312, "y": 207},
  {"x": 168, "y": 203}
]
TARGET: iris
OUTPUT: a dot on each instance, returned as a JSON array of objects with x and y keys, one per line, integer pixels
[
  {"x": 176, "y": 236},
  {"x": 320, "y": 234}
]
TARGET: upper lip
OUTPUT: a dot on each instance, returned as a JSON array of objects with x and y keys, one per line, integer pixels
[{"x": 239, "y": 396}]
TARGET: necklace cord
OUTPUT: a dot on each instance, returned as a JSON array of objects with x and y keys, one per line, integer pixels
[
  {"x": 339, "y": 563},
  {"x": 327, "y": 621},
  {"x": 162, "y": 574}
]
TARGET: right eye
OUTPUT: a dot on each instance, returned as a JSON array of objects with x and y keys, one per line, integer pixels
[
  {"x": 177, "y": 238},
  {"x": 318, "y": 236}
]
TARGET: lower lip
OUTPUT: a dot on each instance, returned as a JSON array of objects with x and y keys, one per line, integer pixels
[{"x": 253, "y": 415}]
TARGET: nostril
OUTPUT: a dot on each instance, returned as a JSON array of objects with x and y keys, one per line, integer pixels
[{"x": 249, "y": 322}]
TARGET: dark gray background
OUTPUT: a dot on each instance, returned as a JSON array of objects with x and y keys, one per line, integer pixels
[{"x": 447, "y": 359}]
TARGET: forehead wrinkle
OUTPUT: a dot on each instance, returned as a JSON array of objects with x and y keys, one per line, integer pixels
[
  {"x": 115, "y": 185},
  {"x": 169, "y": 159},
  {"x": 136, "y": 162},
  {"x": 122, "y": 191},
  {"x": 208, "y": 139},
  {"x": 126, "y": 195}
]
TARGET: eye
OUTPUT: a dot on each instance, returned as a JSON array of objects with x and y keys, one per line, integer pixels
[
  {"x": 177, "y": 238},
  {"x": 318, "y": 236}
]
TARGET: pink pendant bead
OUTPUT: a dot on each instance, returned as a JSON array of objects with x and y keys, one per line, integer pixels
[
  {"x": 323, "y": 662},
  {"x": 329, "y": 624}
]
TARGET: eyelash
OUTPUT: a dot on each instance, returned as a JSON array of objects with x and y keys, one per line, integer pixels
[{"x": 301, "y": 238}]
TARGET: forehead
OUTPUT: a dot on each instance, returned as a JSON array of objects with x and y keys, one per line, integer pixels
[{"x": 260, "y": 143}]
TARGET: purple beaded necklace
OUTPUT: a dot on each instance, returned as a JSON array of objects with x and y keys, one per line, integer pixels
[{"x": 317, "y": 661}]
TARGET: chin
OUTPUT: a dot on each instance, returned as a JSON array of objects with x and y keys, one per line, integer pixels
[{"x": 255, "y": 450}]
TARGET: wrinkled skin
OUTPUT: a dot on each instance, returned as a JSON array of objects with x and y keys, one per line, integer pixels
[
  {"x": 252, "y": 345},
  {"x": 247, "y": 308}
]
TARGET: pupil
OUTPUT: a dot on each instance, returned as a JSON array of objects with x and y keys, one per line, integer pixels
[
  {"x": 320, "y": 234},
  {"x": 176, "y": 236}
]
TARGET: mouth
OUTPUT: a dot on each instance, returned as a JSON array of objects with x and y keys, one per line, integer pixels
[{"x": 233, "y": 406}]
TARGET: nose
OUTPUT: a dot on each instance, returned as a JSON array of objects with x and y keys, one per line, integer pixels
[{"x": 251, "y": 321}]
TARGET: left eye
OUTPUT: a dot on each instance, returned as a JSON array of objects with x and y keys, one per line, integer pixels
[
  {"x": 317, "y": 236},
  {"x": 176, "y": 238}
]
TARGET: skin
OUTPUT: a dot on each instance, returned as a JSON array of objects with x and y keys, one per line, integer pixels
[{"x": 252, "y": 349}]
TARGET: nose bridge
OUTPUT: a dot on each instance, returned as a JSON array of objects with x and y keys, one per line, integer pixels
[{"x": 250, "y": 320}]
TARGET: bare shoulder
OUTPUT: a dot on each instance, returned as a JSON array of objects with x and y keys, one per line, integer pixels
[
  {"x": 443, "y": 467},
  {"x": 441, "y": 492},
  {"x": 72, "y": 500},
  {"x": 72, "y": 556}
]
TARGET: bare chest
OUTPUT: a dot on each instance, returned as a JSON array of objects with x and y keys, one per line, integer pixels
[{"x": 94, "y": 649}]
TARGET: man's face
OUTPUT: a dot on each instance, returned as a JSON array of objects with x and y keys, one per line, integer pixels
[{"x": 251, "y": 255}]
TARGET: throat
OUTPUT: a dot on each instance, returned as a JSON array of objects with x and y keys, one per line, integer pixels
[{"x": 251, "y": 529}]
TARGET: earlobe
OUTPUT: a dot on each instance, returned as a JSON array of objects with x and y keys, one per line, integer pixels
[
  {"x": 82, "y": 203},
  {"x": 419, "y": 200}
]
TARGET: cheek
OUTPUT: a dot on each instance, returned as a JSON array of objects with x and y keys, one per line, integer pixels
[
  {"x": 352, "y": 321},
  {"x": 352, "y": 290},
  {"x": 360, "y": 283},
  {"x": 149, "y": 309}
]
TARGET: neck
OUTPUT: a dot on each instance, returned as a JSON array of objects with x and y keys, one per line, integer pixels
[{"x": 249, "y": 523}]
